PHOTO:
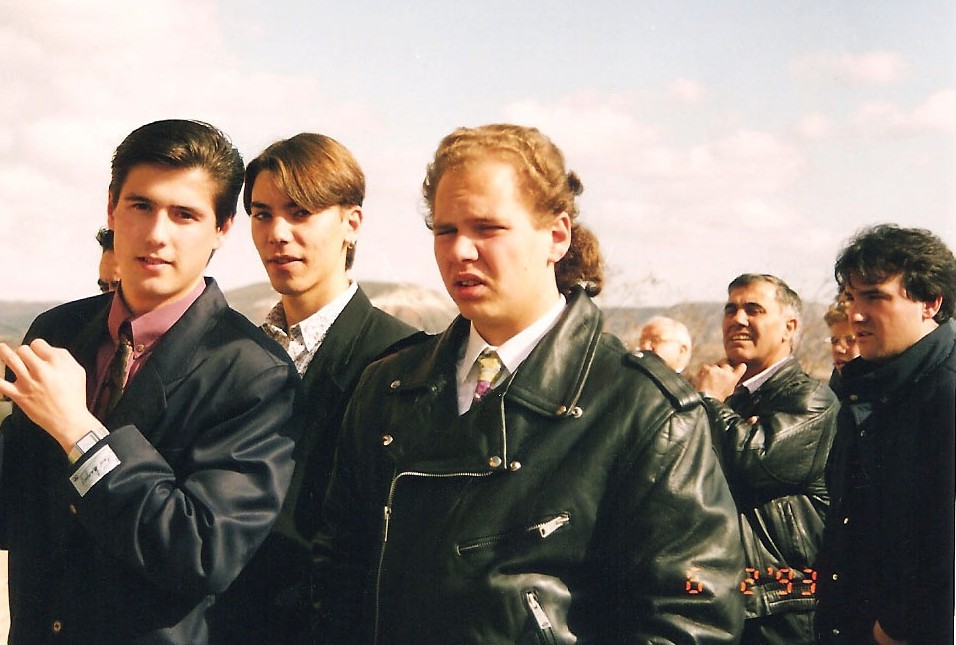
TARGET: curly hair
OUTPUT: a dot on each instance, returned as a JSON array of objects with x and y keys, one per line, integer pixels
[
  {"x": 924, "y": 262},
  {"x": 548, "y": 186}
]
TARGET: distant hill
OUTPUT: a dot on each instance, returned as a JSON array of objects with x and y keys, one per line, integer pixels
[{"x": 432, "y": 311}]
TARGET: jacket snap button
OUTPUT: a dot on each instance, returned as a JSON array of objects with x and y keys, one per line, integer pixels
[
  {"x": 835, "y": 577},
  {"x": 639, "y": 354},
  {"x": 387, "y": 440},
  {"x": 72, "y": 509},
  {"x": 575, "y": 412},
  {"x": 495, "y": 461},
  {"x": 846, "y": 520},
  {"x": 395, "y": 384},
  {"x": 514, "y": 465},
  {"x": 561, "y": 410},
  {"x": 854, "y": 397},
  {"x": 57, "y": 626}
]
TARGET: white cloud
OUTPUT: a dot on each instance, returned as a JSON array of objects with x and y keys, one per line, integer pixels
[
  {"x": 814, "y": 127},
  {"x": 688, "y": 91},
  {"x": 876, "y": 68},
  {"x": 884, "y": 119}
]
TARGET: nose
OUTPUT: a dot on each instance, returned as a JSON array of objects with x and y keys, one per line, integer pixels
[
  {"x": 157, "y": 229},
  {"x": 740, "y": 317},
  {"x": 280, "y": 231},
  {"x": 464, "y": 248}
]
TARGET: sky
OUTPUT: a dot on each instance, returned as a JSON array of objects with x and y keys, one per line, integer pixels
[{"x": 713, "y": 138}]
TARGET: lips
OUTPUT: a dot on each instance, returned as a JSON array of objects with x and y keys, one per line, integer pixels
[
  {"x": 281, "y": 260},
  {"x": 151, "y": 261},
  {"x": 739, "y": 338}
]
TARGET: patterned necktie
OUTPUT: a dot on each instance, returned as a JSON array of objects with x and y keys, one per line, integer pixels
[
  {"x": 489, "y": 366},
  {"x": 116, "y": 376}
]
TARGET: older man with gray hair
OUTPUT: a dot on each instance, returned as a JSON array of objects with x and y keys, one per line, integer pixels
[
  {"x": 669, "y": 339},
  {"x": 773, "y": 425}
]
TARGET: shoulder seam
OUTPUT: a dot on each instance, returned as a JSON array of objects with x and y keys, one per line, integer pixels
[{"x": 677, "y": 390}]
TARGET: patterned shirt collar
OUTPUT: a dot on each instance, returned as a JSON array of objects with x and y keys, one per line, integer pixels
[{"x": 303, "y": 339}]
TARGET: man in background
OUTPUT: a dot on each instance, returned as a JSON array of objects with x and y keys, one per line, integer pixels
[
  {"x": 773, "y": 425},
  {"x": 109, "y": 271},
  {"x": 886, "y": 566},
  {"x": 669, "y": 339}
]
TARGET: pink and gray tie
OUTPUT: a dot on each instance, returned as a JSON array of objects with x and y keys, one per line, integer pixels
[{"x": 489, "y": 366}]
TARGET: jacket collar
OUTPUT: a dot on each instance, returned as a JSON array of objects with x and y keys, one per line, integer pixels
[
  {"x": 333, "y": 362},
  {"x": 549, "y": 381},
  {"x": 882, "y": 382},
  {"x": 172, "y": 359}
]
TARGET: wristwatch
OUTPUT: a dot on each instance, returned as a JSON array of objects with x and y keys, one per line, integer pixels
[{"x": 86, "y": 442}]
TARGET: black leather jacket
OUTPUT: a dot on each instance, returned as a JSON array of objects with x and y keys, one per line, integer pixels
[
  {"x": 580, "y": 501},
  {"x": 775, "y": 468}
]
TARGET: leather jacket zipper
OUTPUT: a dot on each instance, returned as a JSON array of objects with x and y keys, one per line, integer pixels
[
  {"x": 544, "y": 529},
  {"x": 387, "y": 514},
  {"x": 540, "y": 617}
]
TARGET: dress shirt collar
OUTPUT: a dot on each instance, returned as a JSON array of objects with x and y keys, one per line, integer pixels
[
  {"x": 512, "y": 352},
  {"x": 149, "y": 327},
  {"x": 757, "y": 380},
  {"x": 303, "y": 339}
]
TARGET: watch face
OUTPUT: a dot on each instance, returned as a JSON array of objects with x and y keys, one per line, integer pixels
[{"x": 87, "y": 441}]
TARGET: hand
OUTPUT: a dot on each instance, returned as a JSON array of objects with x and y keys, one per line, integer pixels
[
  {"x": 50, "y": 388},
  {"x": 882, "y": 638},
  {"x": 719, "y": 380}
]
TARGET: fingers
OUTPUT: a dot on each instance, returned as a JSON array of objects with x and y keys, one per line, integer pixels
[{"x": 12, "y": 360}]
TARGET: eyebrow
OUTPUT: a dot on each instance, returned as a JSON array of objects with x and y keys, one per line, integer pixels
[{"x": 288, "y": 205}]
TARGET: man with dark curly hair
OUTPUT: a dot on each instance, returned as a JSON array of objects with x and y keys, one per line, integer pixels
[{"x": 885, "y": 571}]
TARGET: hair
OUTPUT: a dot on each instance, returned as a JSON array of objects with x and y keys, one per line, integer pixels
[
  {"x": 836, "y": 313},
  {"x": 105, "y": 238},
  {"x": 178, "y": 143},
  {"x": 680, "y": 329},
  {"x": 549, "y": 188},
  {"x": 786, "y": 297},
  {"x": 924, "y": 262},
  {"x": 315, "y": 171}
]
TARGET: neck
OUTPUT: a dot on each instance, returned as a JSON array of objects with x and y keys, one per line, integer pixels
[{"x": 300, "y": 306}]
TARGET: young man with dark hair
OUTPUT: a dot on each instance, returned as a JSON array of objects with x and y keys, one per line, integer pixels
[
  {"x": 151, "y": 441},
  {"x": 886, "y": 565},
  {"x": 304, "y": 196}
]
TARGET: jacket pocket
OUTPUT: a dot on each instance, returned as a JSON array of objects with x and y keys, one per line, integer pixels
[
  {"x": 540, "y": 530},
  {"x": 539, "y": 618}
]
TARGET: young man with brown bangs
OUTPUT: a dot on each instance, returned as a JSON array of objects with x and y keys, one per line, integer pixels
[{"x": 304, "y": 196}]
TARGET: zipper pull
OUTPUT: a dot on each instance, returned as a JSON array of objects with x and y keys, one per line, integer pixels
[
  {"x": 552, "y": 525},
  {"x": 388, "y": 516},
  {"x": 540, "y": 616}
]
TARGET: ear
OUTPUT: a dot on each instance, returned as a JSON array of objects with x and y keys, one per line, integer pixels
[
  {"x": 931, "y": 308},
  {"x": 560, "y": 237},
  {"x": 792, "y": 325},
  {"x": 352, "y": 219},
  {"x": 222, "y": 230}
]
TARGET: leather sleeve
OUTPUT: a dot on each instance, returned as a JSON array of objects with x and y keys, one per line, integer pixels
[
  {"x": 191, "y": 519},
  {"x": 679, "y": 540},
  {"x": 788, "y": 442}
]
